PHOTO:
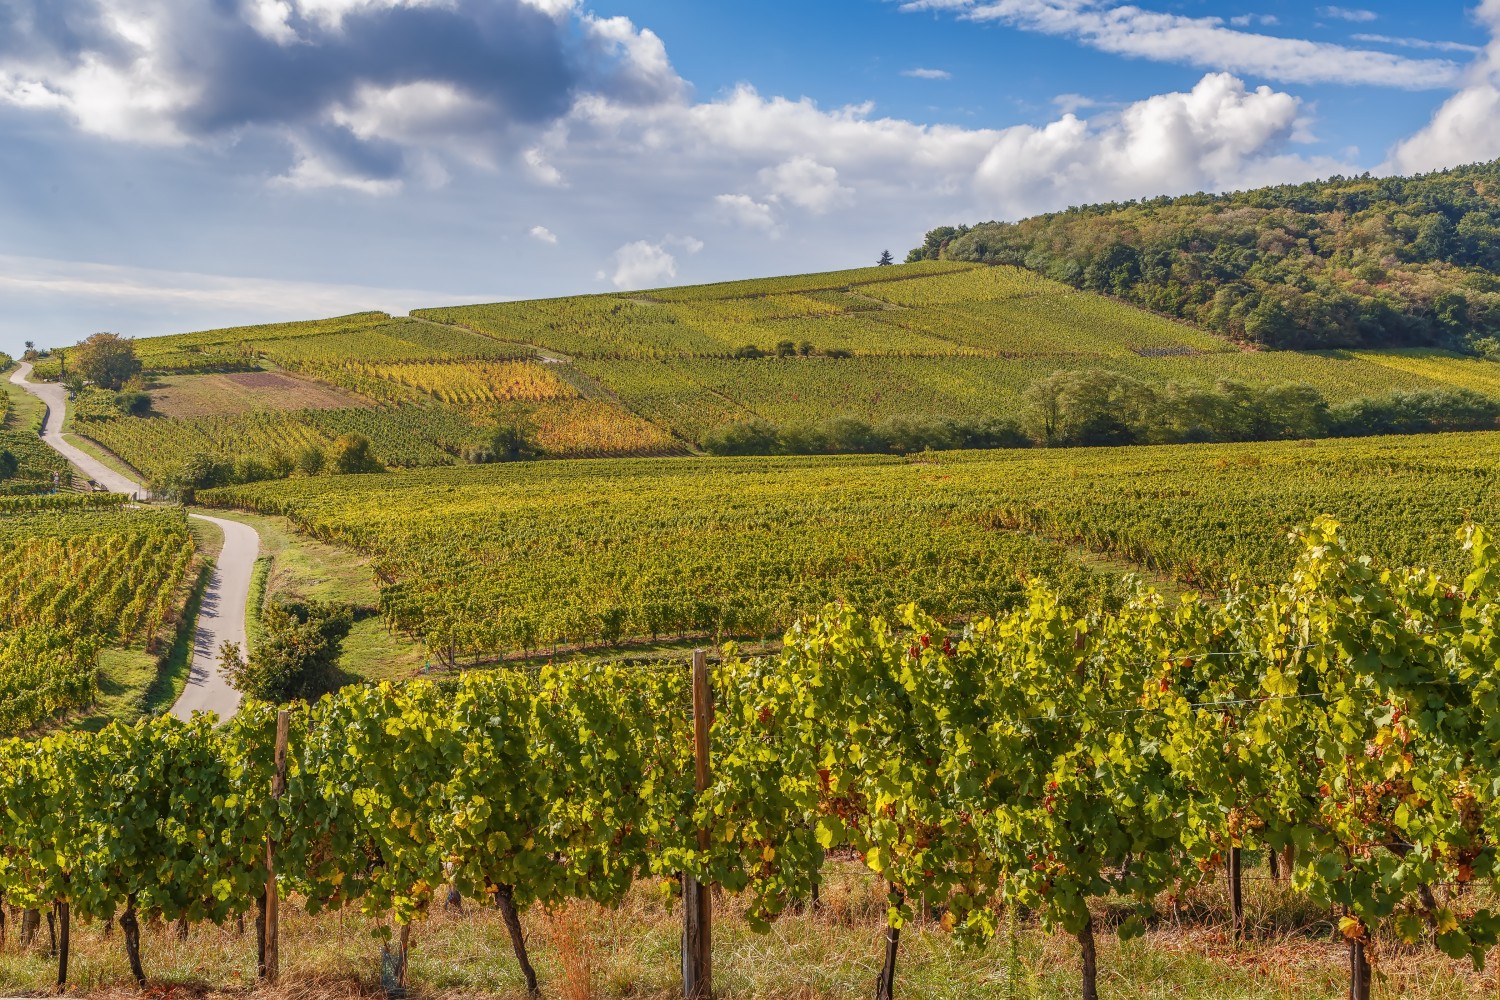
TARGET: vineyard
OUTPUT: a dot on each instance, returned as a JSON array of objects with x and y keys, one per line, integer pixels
[
  {"x": 32, "y": 465},
  {"x": 659, "y": 372},
  {"x": 1048, "y": 763},
  {"x": 78, "y": 575},
  {"x": 484, "y": 560},
  {"x": 929, "y": 309}
]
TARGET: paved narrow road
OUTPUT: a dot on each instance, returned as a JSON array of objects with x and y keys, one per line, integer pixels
[
  {"x": 56, "y": 398},
  {"x": 221, "y": 617}
]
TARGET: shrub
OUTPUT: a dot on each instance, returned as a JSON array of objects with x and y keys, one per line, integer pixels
[
  {"x": 133, "y": 402},
  {"x": 310, "y": 460},
  {"x": 513, "y": 443},
  {"x": 298, "y": 656},
  {"x": 351, "y": 455},
  {"x": 747, "y": 437}
]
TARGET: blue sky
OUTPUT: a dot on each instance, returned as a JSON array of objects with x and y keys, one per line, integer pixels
[{"x": 175, "y": 164}]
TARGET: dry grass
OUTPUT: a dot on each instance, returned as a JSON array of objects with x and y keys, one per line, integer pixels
[
  {"x": 584, "y": 951},
  {"x": 185, "y": 396}
]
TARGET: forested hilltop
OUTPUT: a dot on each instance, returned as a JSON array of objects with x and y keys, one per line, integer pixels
[{"x": 1346, "y": 262}]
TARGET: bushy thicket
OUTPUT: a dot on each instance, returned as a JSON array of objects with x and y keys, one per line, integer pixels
[
  {"x": 350, "y": 454},
  {"x": 1350, "y": 261},
  {"x": 849, "y": 435},
  {"x": 1097, "y": 407}
]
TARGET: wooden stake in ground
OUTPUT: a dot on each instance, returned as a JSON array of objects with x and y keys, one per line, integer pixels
[
  {"x": 62, "y": 944},
  {"x": 1236, "y": 895},
  {"x": 1090, "y": 960},
  {"x": 393, "y": 964},
  {"x": 885, "y": 986},
  {"x": 697, "y": 902},
  {"x": 1359, "y": 972},
  {"x": 31, "y": 923},
  {"x": 271, "y": 922}
]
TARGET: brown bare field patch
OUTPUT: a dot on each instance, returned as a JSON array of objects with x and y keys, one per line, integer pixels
[{"x": 186, "y": 396}]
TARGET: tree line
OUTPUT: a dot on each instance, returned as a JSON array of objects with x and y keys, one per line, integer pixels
[
  {"x": 1098, "y": 407},
  {"x": 1345, "y": 262}
]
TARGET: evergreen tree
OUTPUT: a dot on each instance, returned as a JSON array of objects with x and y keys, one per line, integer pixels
[{"x": 886, "y": 260}]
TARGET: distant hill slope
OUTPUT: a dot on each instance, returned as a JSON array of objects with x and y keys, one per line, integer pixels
[
  {"x": 936, "y": 309},
  {"x": 937, "y": 354},
  {"x": 1346, "y": 262}
]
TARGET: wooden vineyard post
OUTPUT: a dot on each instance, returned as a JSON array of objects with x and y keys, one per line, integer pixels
[
  {"x": 1236, "y": 894},
  {"x": 697, "y": 902},
  {"x": 271, "y": 929},
  {"x": 1359, "y": 972},
  {"x": 63, "y": 922}
]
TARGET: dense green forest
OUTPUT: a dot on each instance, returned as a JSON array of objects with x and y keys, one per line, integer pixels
[{"x": 1346, "y": 262}]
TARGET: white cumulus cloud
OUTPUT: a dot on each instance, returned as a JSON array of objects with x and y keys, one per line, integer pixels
[
  {"x": 808, "y": 184},
  {"x": 1463, "y": 129},
  {"x": 543, "y": 235},
  {"x": 743, "y": 210},
  {"x": 641, "y": 265},
  {"x": 922, "y": 73}
]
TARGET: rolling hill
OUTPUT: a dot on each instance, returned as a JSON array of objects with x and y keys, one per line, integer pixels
[
  {"x": 1347, "y": 262},
  {"x": 931, "y": 354}
]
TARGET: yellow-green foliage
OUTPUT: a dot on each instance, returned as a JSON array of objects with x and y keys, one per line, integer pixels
[
  {"x": 931, "y": 308},
  {"x": 500, "y": 557},
  {"x": 475, "y": 381}
]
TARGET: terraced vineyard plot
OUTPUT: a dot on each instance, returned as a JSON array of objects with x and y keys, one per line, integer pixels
[
  {"x": 700, "y": 395},
  {"x": 593, "y": 326},
  {"x": 115, "y": 586},
  {"x": 872, "y": 333},
  {"x": 695, "y": 396},
  {"x": 796, "y": 284},
  {"x": 577, "y": 428},
  {"x": 229, "y": 348},
  {"x": 910, "y": 310},
  {"x": 35, "y": 464},
  {"x": 407, "y": 437},
  {"x": 1338, "y": 375},
  {"x": 495, "y": 558},
  {"x": 671, "y": 395},
  {"x": 476, "y": 381}
]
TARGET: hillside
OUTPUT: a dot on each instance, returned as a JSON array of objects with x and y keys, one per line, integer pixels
[
  {"x": 935, "y": 355},
  {"x": 1347, "y": 262}
]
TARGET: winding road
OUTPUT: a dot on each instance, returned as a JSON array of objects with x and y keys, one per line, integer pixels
[{"x": 221, "y": 616}]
